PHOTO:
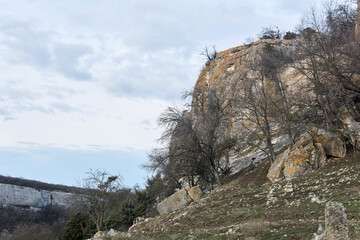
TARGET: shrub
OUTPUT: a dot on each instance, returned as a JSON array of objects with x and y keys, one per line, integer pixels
[
  {"x": 78, "y": 227},
  {"x": 290, "y": 35},
  {"x": 271, "y": 32},
  {"x": 127, "y": 212}
]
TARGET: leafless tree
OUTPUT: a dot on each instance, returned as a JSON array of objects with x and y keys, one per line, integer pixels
[
  {"x": 96, "y": 197},
  {"x": 196, "y": 141},
  {"x": 329, "y": 58}
]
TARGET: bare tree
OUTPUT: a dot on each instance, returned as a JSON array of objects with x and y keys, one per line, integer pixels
[
  {"x": 329, "y": 58},
  {"x": 196, "y": 143},
  {"x": 96, "y": 197},
  {"x": 357, "y": 23}
]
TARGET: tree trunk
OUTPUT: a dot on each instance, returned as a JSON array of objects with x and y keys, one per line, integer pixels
[
  {"x": 357, "y": 24},
  {"x": 217, "y": 177}
]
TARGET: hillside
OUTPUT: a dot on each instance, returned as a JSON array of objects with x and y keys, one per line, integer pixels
[{"x": 250, "y": 207}]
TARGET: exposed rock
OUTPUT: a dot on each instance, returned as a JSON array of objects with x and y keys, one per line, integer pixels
[
  {"x": 226, "y": 72},
  {"x": 333, "y": 145},
  {"x": 314, "y": 198},
  {"x": 112, "y": 233},
  {"x": 309, "y": 152},
  {"x": 335, "y": 223},
  {"x": 288, "y": 187},
  {"x": 175, "y": 202},
  {"x": 12, "y": 195},
  {"x": 270, "y": 197},
  {"x": 276, "y": 171},
  {"x": 195, "y": 193},
  {"x": 302, "y": 158},
  {"x": 352, "y": 127},
  {"x": 102, "y": 235},
  {"x": 245, "y": 163}
]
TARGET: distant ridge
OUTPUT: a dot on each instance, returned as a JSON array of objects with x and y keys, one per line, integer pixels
[{"x": 38, "y": 185}]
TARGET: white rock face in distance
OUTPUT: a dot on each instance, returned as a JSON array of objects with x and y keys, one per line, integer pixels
[{"x": 12, "y": 195}]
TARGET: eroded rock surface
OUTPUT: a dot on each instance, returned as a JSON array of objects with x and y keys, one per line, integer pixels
[
  {"x": 335, "y": 223},
  {"x": 12, "y": 195},
  {"x": 309, "y": 152},
  {"x": 175, "y": 202}
]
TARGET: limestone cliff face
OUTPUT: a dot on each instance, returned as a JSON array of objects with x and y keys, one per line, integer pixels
[
  {"x": 25, "y": 197},
  {"x": 226, "y": 73}
]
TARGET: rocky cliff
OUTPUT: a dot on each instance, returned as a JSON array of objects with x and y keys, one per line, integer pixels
[
  {"x": 228, "y": 73},
  {"x": 31, "y": 198}
]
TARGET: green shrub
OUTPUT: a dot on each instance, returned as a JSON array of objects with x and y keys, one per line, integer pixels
[
  {"x": 127, "y": 212},
  {"x": 290, "y": 35},
  {"x": 78, "y": 227}
]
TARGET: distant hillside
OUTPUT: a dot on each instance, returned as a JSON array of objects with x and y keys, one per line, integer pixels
[{"x": 37, "y": 185}]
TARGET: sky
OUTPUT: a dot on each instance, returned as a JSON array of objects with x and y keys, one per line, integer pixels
[{"x": 83, "y": 82}]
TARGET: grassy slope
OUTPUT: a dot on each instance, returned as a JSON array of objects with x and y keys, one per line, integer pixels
[{"x": 239, "y": 210}]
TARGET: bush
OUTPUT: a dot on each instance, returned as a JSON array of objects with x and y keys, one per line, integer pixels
[
  {"x": 142, "y": 202},
  {"x": 290, "y": 35},
  {"x": 127, "y": 212},
  {"x": 270, "y": 33},
  {"x": 78, "y": 227}
]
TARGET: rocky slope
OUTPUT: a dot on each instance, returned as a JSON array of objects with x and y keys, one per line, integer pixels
[{"x": 251, "y": 207}]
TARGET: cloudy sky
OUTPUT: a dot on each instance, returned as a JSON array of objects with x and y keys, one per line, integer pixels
[{"x": 84, "y": 81}]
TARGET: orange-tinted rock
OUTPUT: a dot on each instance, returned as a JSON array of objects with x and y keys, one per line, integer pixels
[
  {"x": 195, "y": 193},
  {"x": 302, "y": 159},
  {"x": 333, "y": 145},
  {"x": 309, "y": 153}
]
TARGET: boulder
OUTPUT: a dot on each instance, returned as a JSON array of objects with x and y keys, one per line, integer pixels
[
  {"x": 333, "y": 145},
  {"x": 302, "y": 158},
  {"x": 195, "y": 193},
  {"x": 175, "y": 202},
  {"x": 276, "y": 171},
  {"x": 352, "y": 127},
  {"x": 335, "y": 223},
  {"x": 308, "y": 153}
]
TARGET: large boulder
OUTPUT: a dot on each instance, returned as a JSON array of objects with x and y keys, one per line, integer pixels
[
  {"x": 303, "y": 158},
  {"x": 276, "y": 171},
  {"x": 333, "y": 145},
  {"x": 308, "y": 153},
  {"x": 175, "y": 202},
  {"x": 195, "y": 193}
]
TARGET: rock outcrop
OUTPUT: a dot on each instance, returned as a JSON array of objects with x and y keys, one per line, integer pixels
[
  {"x": 25, "y": 197},
  {"x": 195, "y": 193},
  {"x": 226, "y": 73},
  {"x": 179, "y": 200},
  {"x": 175, "y": 202},
  {"x": 335, "y": 223},
  {"x": 309, "y": 152}
]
